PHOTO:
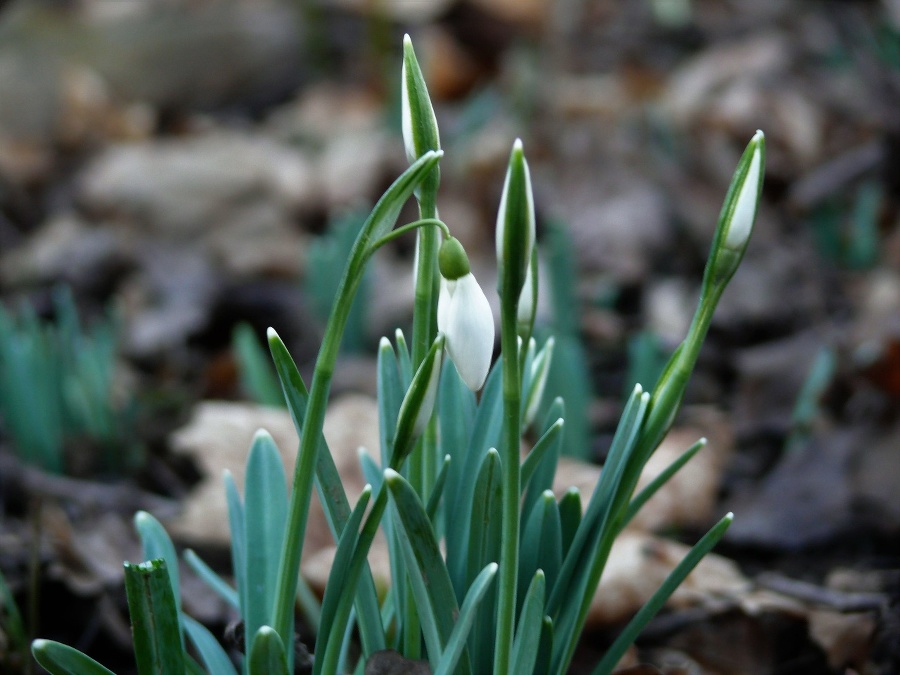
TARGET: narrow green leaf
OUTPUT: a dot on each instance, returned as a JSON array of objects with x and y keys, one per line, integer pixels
[
  {"x": 482, "y": 547},
  {"x": 331, "y": 492},
  {"x": 213, "y": 580},
  {"x": 457, "y": 642},
  {"x": 156, "y": 543},
  {"x": 158, "y": 645},
  {"x": 644, "y": 495},
  {"x": 539, "y": 467},
  {"x": 258, "y": 378},
  {"x": 211, "y": 652},
  {"x": 59, "y": 659},
  {"x": 437, "y": 492},
  {"x": 267, "y": 655},
  {"x": 238, "y": 539},
  {"x": 569, "y": 517},
  {"x": 435, "y": 598},
  {"x": 656, "y": 602},
  {"x": 528, "y": 632},
  {"x": 541, "y": 544},
  {"x": 466, "y": 460},
  {"x": 390, "y": 395},
  {"x": 545, "y": 648},
  {"x": 340, "y": 586},
  {"x": 265, "y": 515}
]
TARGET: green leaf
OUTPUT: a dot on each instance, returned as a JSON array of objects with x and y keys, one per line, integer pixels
[
  {"x": 541, "y": 544},
  {"x": 211, "y": 653},
  {"x": 569, "y": 517},
  {"x": 435, "y": 598},
  {"x": 656, "y": 602},
  {"x": 157, "y": 544},
  {"x": 437, "y": 492},
  {"x": 390, "y": 394},
  {"x": 545, "y": 647},
  {"x": 258, "y": 378},
  {"x": 213, "y": 580},
  {"x": 339, "y": 589},
  {"x": 417, "y": 404},
  {"x": 457, "y": 642},
  {"x": 267, "y": 655},
  {"x": 238, "y": 539},
  {"x": 483, "y": 547},
  {"x": 644, "y": 495},
  {"x": 331, "y": 492},
  {"x": 539, "y": 467},
  {"x": 265, "y": 515},
  {"x": 158, "y": 646},
  {"x": 586, "y": 558},
  {"x": 528, "y": 632},
  {"x": 59, "y": 659},
  {"x": 465, "y": 462}
]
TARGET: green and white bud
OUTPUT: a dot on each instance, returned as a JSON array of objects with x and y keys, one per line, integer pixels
[
  {"x": 420, "y": 129},
  {"x": 515, "y": 227},
  {"x": 540, "y": 369},
  {"x": 528, "y": 299},
  {"x": 418, "y": 403},
  {"x": 738, "y": 213}
]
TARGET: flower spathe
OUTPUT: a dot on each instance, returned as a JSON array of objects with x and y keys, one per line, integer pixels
[{"x": 464, "y": 317}]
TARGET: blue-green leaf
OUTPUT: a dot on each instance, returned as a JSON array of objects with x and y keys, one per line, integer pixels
[
  {"x": 211, "y": 653},
  {"x": 528, "y": 632},
  {"x": 59, "y": 659},
  {"x": 457, "y": 642},
  {"x": 265, "y": 515},
  {"x": 238, "y": 539},
  {"x": 435, "y": 598},
  {"x": 213, "y": 580},
  {"x": 541, "y": 543}
]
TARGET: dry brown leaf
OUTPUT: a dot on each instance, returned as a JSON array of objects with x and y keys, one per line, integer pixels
[{"x": 219, "y": 436}]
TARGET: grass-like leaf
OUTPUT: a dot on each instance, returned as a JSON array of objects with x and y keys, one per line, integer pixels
[
  {"x": 267, "y": 655},
  {"x": 211, "y": 653},
  {"x": 435, "y": 598},
  {"x": 265, "y": 515},
  {"x": 59, "y": 659},
  {"x": 457, "y": 642},
  {"x": 213, "y": 580},
  {"x": 155, "y": 626},
  {"x": 528, "y": 633},
  {"x": 656, "y": 602}
]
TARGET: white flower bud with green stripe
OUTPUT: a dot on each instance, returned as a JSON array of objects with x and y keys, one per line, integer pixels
[
  {"x": 464, "y": 316},
  {"x": 540, "y": 370},
  {"x": 738, "y": 213},
  {"x": 420, "y": 129},
  {"x": 515, "y": 227},
  {"x": 418, "y": 403}
]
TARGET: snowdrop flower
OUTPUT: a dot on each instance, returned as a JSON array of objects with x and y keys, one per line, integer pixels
[
  {"x": 515, "y": 226},
  {"x": 464, "y": 316},
  {"x": 420, "y": 129},
  {"x": 739, "y": 211}
]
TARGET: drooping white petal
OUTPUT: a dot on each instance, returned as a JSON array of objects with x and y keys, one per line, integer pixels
[{"x": 464, "y": 317}]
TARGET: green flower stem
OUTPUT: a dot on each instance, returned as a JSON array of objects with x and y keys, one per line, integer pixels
[
  {"x": 306, "y": 456},
  {"x": 424, "y": 332},
  {"x": 510, "y": 489},
  {"x": 415, "y": 225},
  {"x": 382, "y": 218}
]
